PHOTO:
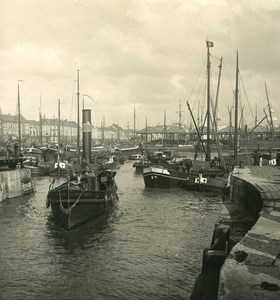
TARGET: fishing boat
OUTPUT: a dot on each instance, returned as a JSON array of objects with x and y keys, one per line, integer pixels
[
  {"x": 60, "y": 168},
  {"x": 164, "y": 177},
  {"x": 137, "y": 156},
  {"x": 144, "y": 161},
  {"x": 151, "y": 159},
  {"x": 209, "y": 175},
  {"x": 161, "y": 172},
  {"x": 32, "y": 161},
  {"x": 82, "y": 198},
  {"x": 140, "y": 165},
  {"x": 35, "y": 166},
  {"x": 207, "y": 180},
  {"x": 129, "y": 150},
  {"x": 89, "y": 193},
  {"x": 59, "y": 164}
]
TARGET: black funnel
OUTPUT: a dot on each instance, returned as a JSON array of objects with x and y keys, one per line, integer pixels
[{"x": 87, "y": 135}]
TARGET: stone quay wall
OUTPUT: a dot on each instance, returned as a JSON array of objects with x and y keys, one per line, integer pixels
[
  {"x": 252, "y": 269},
  {"x": 14, "y": 183}
]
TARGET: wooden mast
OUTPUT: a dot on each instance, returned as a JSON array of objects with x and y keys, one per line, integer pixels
[
  {"x": 58, "y": 134},
  {"x": 215, "y": 119},
  {"x": 256, "y": 116},
  {"x": 164, "y": 130},
  {"x": 236, "y": 111},
  {"x": 208, "y": 146},
  {"x": 217, "y": 94},
  {"x": 58, "y": 139},
  {"x": 40, "y": 121},
  {"x": 134, "y": 125},
  {"x": 270, "y": 113},
  {"x": 78, "y": 119},
  {"x": 230, "y": 127},
  {"x": 146, "y": 138},
  {"x": 19, "y": 121},
  {"x": 197, "y": 131}
]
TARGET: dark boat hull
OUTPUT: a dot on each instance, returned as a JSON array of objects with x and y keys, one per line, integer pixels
[
  {"x": 156, "y": 177},
  {"x": 215, "y": 184},
  {"x": 74, "y": 211},
  {"x": 209, "y": 184},
  {"x": 61, "y": 172},
  {"x": 37, "y": 171},
  {"x": 130, "y": 150},
  {"x": 140, "y": 166}
]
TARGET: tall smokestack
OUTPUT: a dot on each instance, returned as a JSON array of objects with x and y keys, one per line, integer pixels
[{"x": 87, "y": 135}]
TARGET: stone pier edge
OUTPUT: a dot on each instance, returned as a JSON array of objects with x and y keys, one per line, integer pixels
[{"x": 252, "y": 269}]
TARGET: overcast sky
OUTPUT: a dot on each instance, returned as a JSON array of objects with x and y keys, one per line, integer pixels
[{"x": 146, "y": 54}]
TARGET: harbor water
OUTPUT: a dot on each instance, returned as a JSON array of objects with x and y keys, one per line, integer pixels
[{"x": 150, "y": 248}]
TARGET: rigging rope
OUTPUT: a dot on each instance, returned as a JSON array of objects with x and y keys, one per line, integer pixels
[
  {"x": 197, "y": 79},
  {"x": 224, "y": 66},
  {"x": 73, "y": 94},
  {"x": 246, "y": 96},
  {"x": 68, "y": 211}
]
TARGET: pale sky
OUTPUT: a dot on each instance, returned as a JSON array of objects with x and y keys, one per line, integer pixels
[{"x": 146, "y": 54}]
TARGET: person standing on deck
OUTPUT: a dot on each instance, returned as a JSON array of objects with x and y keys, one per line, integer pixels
[{"x": 257, "y": 157}]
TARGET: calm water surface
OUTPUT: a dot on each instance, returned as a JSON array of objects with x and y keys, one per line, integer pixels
[{"x": 150, "y": 248}]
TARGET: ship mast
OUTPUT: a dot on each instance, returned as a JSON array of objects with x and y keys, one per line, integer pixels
[
  {"x": 19, "y": 121},
  {"x": 146, "y": 138},
  {"x": 58, "y": 140},
  {"x": 270, "y": 112},
  {"x": 208, "y": 148},
  {"x": 164, "y": 130},
  {"x": 215, "y": 119},
  {"x": 236, "y": 111},
  {"x": 58, "y": 134},
  {"x": 40, "y": 121},
  {"x": 134, "y": 125},
  {"x": 78, "y": 119}
]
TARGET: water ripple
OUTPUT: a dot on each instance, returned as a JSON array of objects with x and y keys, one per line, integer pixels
[{"x": 150, "y": 248}]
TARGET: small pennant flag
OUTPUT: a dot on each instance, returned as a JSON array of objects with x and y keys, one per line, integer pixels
[{"x": 209, "y": 44}]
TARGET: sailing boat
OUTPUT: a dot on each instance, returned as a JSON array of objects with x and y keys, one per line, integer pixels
[
  {"x": 39, "y": 159},
  {"x": 159, "y": 173},
  {"x": 60, "y": 166},
  {"x": 144, "y": 161},
  {"x": 205, "y": 176},
  {"x": 90, "y": 192}
]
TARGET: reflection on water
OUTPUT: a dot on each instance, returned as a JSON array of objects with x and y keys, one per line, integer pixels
[{"x": 150, "y": 248}]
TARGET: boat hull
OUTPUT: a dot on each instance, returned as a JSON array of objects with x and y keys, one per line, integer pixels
[
  {"x": 207, "y": 184},
  {"x": 37, "y": 171},
  {"x": 156, "y": 177},
  {"x": 74, "y": 211},
  {"x": 140, "y": 166},
  {"x": 215, "y": 184}
]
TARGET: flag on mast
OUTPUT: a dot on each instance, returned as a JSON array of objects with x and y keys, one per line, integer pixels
[{"x": 209, "y": 44}]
